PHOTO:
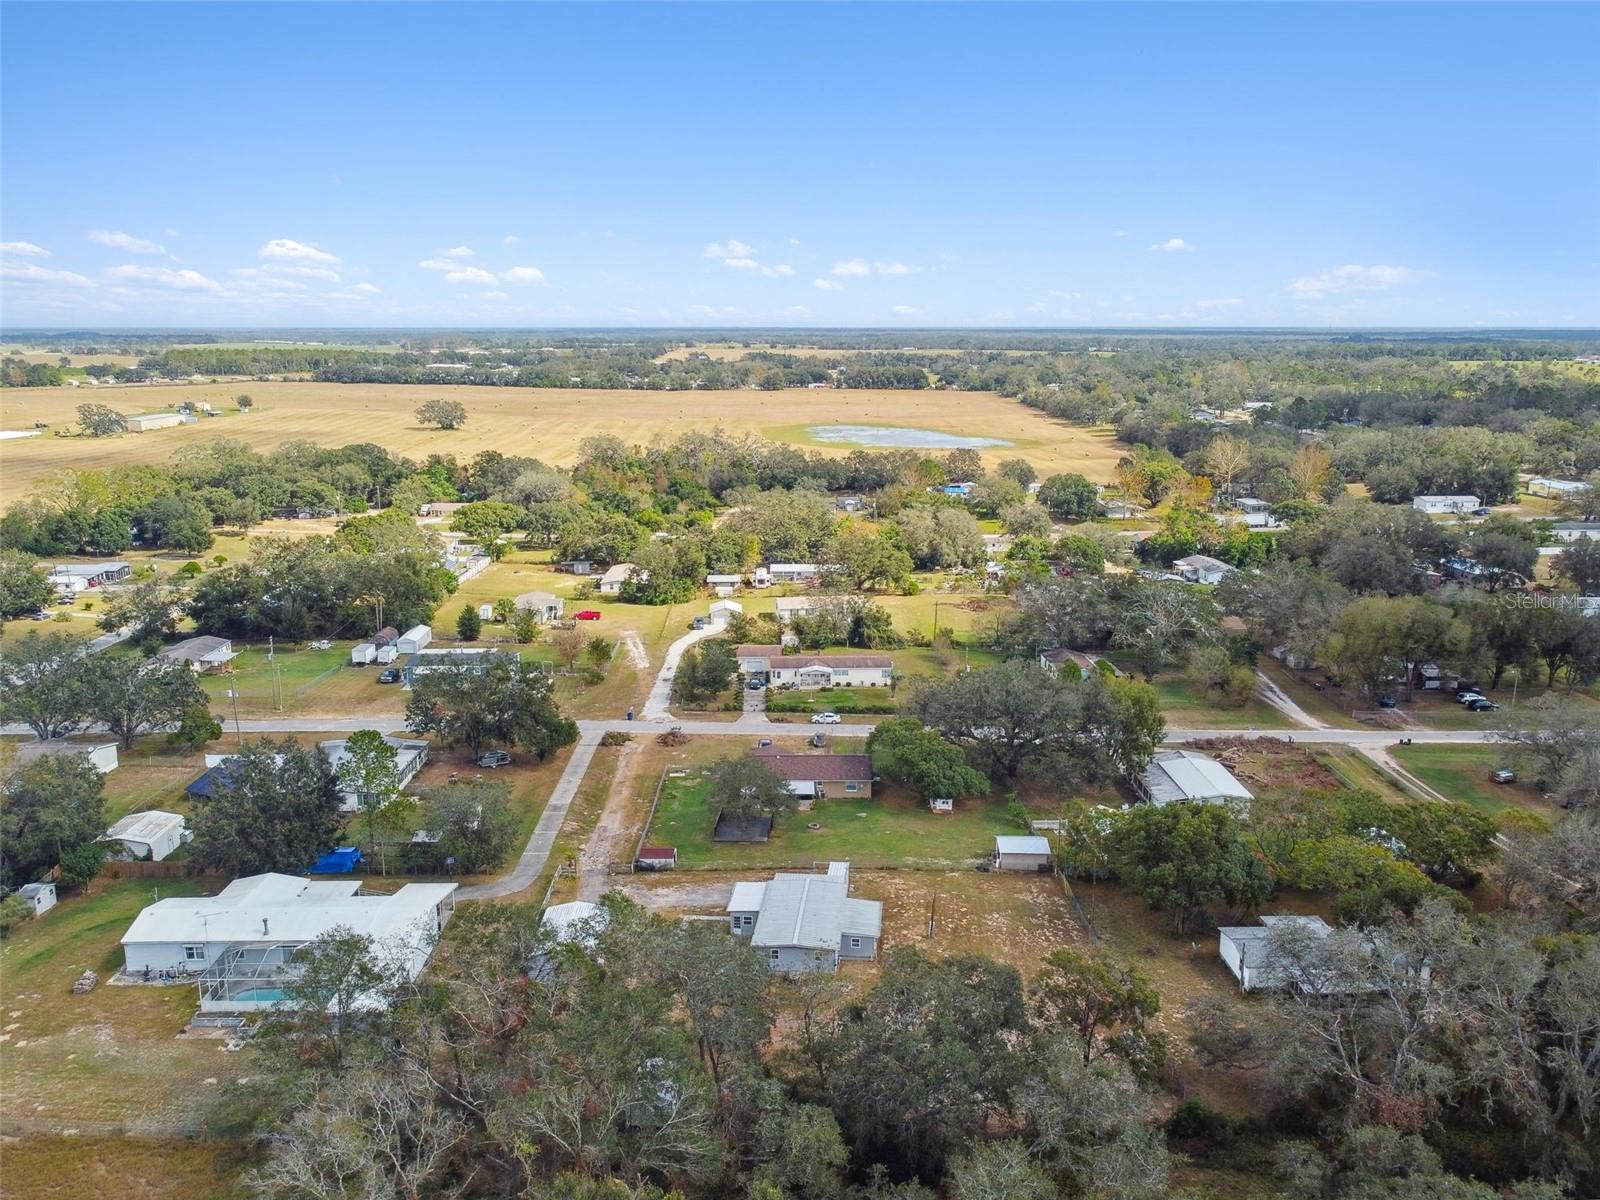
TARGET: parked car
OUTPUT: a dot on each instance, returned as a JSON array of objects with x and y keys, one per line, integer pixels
[
  {"x": 1483, "y": 706},
  {"x": 818, "y": 740},
  {"x": 698, "y": 623},
  {"x": 1504, "y": 775},
  {"x": 825, "y": 718},
  {"x": 1482, "y": 512},
  {"x": 39, "y": 615},
  {"x": 755, "y": 685},
  {"x": 494, "y": 758},
  {"x": 588, "y": 614},
  {"x": 1388, "y": 702},
  {"x": 1470, "y": 698},
  {"x": 389, "y": 675}
]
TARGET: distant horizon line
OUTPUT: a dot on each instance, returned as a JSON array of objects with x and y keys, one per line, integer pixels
[{"x": 747, "y": 330}]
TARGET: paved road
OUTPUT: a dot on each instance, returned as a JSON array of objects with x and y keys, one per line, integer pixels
[
  {"x": 657, "y": 703},
  {"x": 537, "y": 852}
]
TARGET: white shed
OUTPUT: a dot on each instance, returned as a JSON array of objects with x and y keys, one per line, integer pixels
[
  {"x": 1020, "y": 853},
  {"x": 148, "y": 835},
  {"x": 41, "y": 897},
  {"x": 723, "y": 611},
  {"x": 362, "y": 653},
  {"x": 414, "y": 639}
]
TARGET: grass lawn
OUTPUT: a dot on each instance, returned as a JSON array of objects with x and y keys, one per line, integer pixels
[
  {"x": 1355, "y": 770},
  {"x": 1462, "y": 773},
  {"x": 1186, "y": 707},
  {"x": 888, "y": 830},
  {"x": 844, "y": 700},
  {"x": 110, "y": 1055},
  {"x": 1331, "y": 706},
  {"x": 89, "y": 1168},
  {"x": 308, "y": 682}
]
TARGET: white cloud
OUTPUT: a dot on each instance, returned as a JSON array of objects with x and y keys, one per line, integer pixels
[
  {"x": 1173, "y": 246},
  {"x": 732, "y": 248},
  {"x": 284, "y": 248},
  {"x": 23, "y": 250},
  {"x": 438, "y": 264},
  {"x": 827, "y": 285},
  {"x": 34, "y": 273},
  {"x": 510, "y": 239},
  {"x": 125, "y": 242},
  {"x": 178, "y": 280},
  {"x": 371, "y": 289},
  {"x": 777, "y": 270},
  {"x": 523, "y": 275},
  {"x": 1119, "y": 233},
  {"x": 470, "y": 275},
  {"x": 891, "y": 268},
  {"x": 904, "y": 310},
  {"x": 322, "y": 273},
  {"x": 1229, "y": 302},
  {"x": 742, "y": 264},
  {"x": 854, "y": 266},
  {"x": 496, "y": 296},
  {"x": 457, "y": 252},
  {"x": 1355, "y": 278}
]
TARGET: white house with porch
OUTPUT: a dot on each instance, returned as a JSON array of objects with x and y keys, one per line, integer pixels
[{"x": 809, "y": 671}]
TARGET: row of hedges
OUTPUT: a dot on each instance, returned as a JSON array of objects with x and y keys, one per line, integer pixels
[{"x": 839, "y": 700}]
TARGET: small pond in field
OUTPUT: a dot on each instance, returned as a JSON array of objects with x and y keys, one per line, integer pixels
[{"x": 892, "y": 435}]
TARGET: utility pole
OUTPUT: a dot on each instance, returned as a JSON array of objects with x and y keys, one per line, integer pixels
[{"x": 233, "y": 694}]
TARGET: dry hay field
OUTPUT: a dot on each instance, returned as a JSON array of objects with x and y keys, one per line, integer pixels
[{"x": 545, "y": 423}]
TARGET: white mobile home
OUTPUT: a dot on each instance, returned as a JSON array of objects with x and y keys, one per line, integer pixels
[
  {"x": 200, "y": 653},
  {"x": 409, "y": 758},
  {"x": 147, "y": 836},
  {"x": 546, "y": 606},
  {"x": 1446, "y": 504},
  {"x": 1201, "y": 568},
  {"x": 793, "y": 572},
  {"x": 1249, "y": 953},
  {"x": 724, "y": 585},
  {"x": 1556, "y": 489},
  {"x": 1575, "y": 531}
]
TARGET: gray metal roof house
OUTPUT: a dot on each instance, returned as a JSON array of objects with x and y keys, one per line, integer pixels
[{"x": 804, "y": 923}]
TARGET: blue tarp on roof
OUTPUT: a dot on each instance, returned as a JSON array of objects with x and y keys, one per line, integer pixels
[
  {"x": 206, "y": 786},
  {"x": 338, "y": 862}
]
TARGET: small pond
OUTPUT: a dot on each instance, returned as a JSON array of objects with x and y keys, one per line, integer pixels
[{"x": 890, "y": 435}]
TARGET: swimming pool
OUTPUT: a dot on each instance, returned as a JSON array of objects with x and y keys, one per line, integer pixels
[
  {"x": 261, "y": 995},
  {"x": 894, "y": 436}
]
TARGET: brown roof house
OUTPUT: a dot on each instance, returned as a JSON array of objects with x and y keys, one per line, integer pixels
[{"x": 824, "y": 776}]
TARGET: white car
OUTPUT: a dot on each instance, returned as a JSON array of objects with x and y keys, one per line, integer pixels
[
  {"x": 827, "y": 718},
  {"x": 1469, "y": 697}
]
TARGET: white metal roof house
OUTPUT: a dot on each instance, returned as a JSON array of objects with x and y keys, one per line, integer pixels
[
  {"x": 1250, "y": 954},
  {"x": 1446, "y": 504},
  {"x": 439, "y": 658},
  {"x": 793, "y": 572},
  {"x": 1201, "y": 568},
  {"x": 615, "y": 576},
  {"x": 151, "y": 835},
  {"x": 1015, "y": 852},
  {"x": 414, "y": 639},
  {"x": 804, "y": 923},
  {"x": 102, "y": 756},
  {"x": 409, "y": 758},
  {"x": 142, "y": 422},
  {"x": 201, "y": 653},
  {"x": 1187, "y": 777},
  {"x": 723, "y": 585},
  {"x": 242, "y": 941}
]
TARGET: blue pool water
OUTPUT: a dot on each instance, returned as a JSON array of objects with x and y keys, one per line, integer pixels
[
  {"x": 889, "y": 435},
  {"x": 262, "y": 995}
]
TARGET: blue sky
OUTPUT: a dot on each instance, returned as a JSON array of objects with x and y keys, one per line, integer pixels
[{"x": 535, "y": 165}]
